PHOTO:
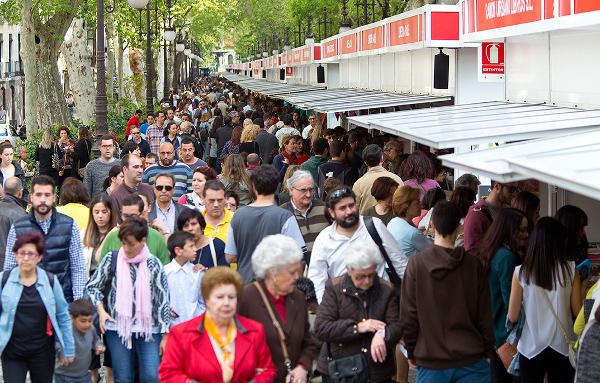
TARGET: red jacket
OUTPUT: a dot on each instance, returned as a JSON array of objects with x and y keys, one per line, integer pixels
[
  {"x": 477, "y": 221},
  {"x": 189, "y": 355}
]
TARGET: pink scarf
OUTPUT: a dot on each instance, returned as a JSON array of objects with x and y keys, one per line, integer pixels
[{"x": 125, "y": 293}]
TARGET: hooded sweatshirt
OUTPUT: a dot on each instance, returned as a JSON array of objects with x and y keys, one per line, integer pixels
[{"x": 445, "y": 309}]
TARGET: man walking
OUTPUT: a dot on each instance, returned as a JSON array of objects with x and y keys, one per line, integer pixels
[
  {"x": 97, "y": 170},
  {"x": 12, "y": 207},
  {"x": 131, "y": 166},
  {"x": 168, "y": 164},
  {"x": 63, "y": 255},
  {"x": 445, "y": 311},
  {"x": 164, "y": 212},
  {"x": 250, "y": 224},
  {"x": 155, "y": 132}
]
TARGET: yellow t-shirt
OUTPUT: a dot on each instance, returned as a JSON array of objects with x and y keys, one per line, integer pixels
[
  {"x": 221, "y": 230},
  {"x": 580, "y": 323},
  {"x": 80, "y": 213}
]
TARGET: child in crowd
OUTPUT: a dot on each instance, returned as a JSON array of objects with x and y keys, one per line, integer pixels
[
  {"x": 184, "y": 280},
  {"x": 87, "y": 341}
]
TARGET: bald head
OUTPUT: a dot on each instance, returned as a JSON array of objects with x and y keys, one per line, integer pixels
[
  {"x": 13, "y": 186},
  {"x": 253, "y": 159},
  {"x": 166, "y": 153}
]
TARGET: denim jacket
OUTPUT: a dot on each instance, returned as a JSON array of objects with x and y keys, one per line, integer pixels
[{"x": 54, "y": 301}]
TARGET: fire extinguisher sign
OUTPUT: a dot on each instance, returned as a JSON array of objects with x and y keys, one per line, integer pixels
[{"x": 491, "y": 61}]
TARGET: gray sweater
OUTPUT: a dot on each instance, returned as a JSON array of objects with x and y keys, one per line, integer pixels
[
  {"x": 96, "y": 172},
  {"x": 85, "y": 348}
]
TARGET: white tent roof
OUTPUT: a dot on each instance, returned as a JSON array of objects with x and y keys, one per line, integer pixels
[
  {"x": 570, "y": 162},
  {"x": 482, "y": 123}
]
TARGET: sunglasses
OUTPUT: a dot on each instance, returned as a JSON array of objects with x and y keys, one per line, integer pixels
[
  {"x": 511, "y": 189},
  {"x": 163, "y": 187},
  {"x": 340, "y": 193}
]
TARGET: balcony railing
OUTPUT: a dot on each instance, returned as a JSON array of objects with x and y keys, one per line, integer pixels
[{"x": 11, "y": 69}]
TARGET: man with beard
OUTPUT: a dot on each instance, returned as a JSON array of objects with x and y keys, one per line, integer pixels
[
  {"x": 169, "y": 165},
  {"x": 63, "y": 254},
  {"x": 327, "y": 256},
  {"x": 250, "y": 224}
]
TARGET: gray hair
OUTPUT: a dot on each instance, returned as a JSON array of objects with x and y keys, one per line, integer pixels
[
  {"x": 274, "y": 251},
  {"x": 298, "y": 176},
  {"x": 362, "y": 254},
  {"x": 12, "y": 185}
]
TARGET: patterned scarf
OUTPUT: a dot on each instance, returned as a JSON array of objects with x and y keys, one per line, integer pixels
[{"x": 224, "y": 344}]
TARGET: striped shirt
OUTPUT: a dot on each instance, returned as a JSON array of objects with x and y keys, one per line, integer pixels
[
  {"x": 153, "y": 135},
  {"x": 179, "y": 170},
  {"x": 311, "y": 223}
]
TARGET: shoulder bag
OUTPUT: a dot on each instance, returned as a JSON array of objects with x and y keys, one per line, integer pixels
[
  {"x": 277, "y": 325},
  {"x": 56, "y": 162},
  {"x": 349, "y": 369},
  {"x": 391, "y": 271},
  {"x": 570, "y": 342}
]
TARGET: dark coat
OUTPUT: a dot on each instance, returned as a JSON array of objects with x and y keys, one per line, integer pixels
[
  {"x": 12, "y": 208},
  {"x": 81, "y": 155},
  {"x": 342, "y": 307},
  {"x": 20, "y": 174},
  {"x": 178, "y": 209},
  {"x": 301, "y": 346}
]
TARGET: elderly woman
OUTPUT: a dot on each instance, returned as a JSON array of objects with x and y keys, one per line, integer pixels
[
  {"x": 406, "y": 206},
  {"x": 359, "y": 316},
  {"x": 274, "y": 298},
  {"x": 218, "y": 346},
  {"x": 130, "y": 290},
  {"x": 35, "y": 316}
]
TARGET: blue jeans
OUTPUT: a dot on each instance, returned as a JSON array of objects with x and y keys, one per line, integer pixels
[
  {"x": 474, "y": 373},
  {"x": 147, "y": 353},
  {"x": 87, "y": 378}
]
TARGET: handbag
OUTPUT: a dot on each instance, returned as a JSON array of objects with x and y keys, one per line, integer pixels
[
  {"x": 506, "y": 353},
  {"x": 56, "y": 159},
  {"x": 277, "y": 325},
  {"x": 349, "y": 369},
  {"x": 571, "y": 343}
]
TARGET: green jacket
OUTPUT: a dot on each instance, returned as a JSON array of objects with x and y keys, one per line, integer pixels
[
  {"x": 155, "y": 241},
  {"x": 312, "y": 165}
]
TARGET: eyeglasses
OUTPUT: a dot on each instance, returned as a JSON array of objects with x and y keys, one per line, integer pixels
[
  {"x": 163, "y": 187},
  {"x": 305, "y": 190},
  {"x": 136, "y": 133},
  {"x": 26, "y": 254},
  {"x": 362, "y": 277}
]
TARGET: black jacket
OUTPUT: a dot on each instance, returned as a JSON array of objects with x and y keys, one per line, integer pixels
[
  {"x": 12, "y": 208},
  {"x": 21, "y": 175},
  {"x": 81, "y": 155}
]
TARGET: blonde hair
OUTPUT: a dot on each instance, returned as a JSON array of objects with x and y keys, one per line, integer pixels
[
  {"x": 288, "y": 173},
  {"x": 247, "y": 122},
  {"x": 234, "y": 170},
  {"x": 250, "y": 132},
  {"x": 403, "y": 197},
  {"x": 46, "y": 141}
]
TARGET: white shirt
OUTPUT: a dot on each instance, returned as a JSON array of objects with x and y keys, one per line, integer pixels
[
  {"x": 184, "y": 291},
  {"x": 541, "y": 330},
  {"x": 327, "y": 255}
]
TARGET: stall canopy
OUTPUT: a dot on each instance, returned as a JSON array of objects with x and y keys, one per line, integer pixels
[
  {"x": 570, "y": 162},
  {"x": 347, "y": 99},
  {"x": 332, "y": 100},
  {"x": 482, "y": 123}
]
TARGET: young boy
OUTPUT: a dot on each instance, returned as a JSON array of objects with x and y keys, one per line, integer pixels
[
  {"x": 86, "y": 342},
  {"x": 184, "y": 280}
]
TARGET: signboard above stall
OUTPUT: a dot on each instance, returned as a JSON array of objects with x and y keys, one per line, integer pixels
[
  {"x": 491, "y": 19},
  {"x": 431, "y": 26}
]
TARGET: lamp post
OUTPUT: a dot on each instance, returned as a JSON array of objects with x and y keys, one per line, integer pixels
[{"x": 345, "y": 24}]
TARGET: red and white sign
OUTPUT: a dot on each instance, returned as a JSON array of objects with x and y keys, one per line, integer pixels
[
  {"x": 493, "y": 14},
  {"x": 582, "y": 6},
  {"x": 348, "y": 44},
  {"x": 491, "y": 61},
  {"x": 372, "y": 38},
  {"x": 306, "y": 55},
  {"x": 330, "y": 48},
  {"x": 405, "y": 31},
  {"x": 289, "y": 72}
]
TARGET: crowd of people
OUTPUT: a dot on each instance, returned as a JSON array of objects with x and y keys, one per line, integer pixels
[{"x": 233, "y": 238}]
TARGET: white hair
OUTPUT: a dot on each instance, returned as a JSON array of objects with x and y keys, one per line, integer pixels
[
  {"x": 298, "y": 176},
  {"x": 362, "y": 254},
  {"x": 274, "y": 251}
]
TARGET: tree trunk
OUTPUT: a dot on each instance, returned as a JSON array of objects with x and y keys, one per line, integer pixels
[
  {"x": 29, "y": 66},
  {"x": 136, "y": 65},
  {"x": 110, "y": 55},
  {"x": 50, "y": 101},
  {"x": 78, "y": 58}
]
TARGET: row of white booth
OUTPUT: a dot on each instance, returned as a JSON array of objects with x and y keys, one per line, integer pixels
[{"x": 521, "y": 99}]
